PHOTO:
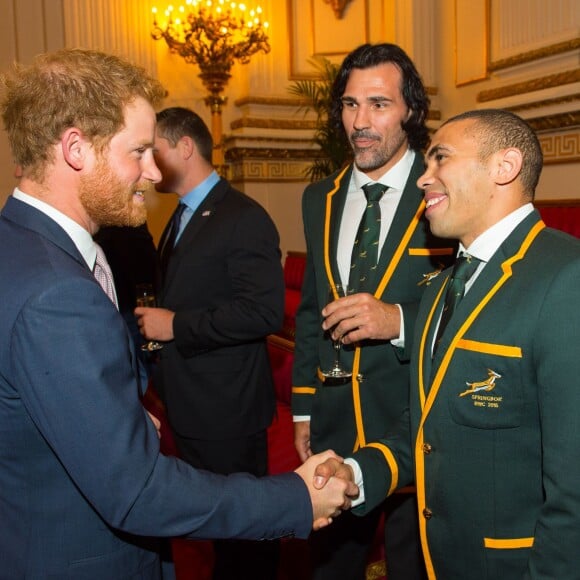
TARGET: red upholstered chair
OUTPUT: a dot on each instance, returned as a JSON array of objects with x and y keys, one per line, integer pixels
[
  {"x": 293, "y": 276},
  {"x": 562, "y": 214},
  {"x": 281, "y": 344}
]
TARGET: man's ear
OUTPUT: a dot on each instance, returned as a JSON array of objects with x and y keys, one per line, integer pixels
[
  {"x": 508, "y": 165},
  {"x": 186, "y": 146},
  {"x": 74, "y": 148}
]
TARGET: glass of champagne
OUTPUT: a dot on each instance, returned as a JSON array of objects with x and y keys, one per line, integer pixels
[
  {"x": 337, "y": 371},
  {"x": 145, "y": 296}
]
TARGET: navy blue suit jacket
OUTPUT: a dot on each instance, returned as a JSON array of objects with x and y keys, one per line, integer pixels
[{"x": 82, "y": 480}]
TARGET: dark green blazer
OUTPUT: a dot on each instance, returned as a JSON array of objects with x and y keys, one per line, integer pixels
[
  {"x": 494, "y": 418},
  {"x": 346, "y": 417}
]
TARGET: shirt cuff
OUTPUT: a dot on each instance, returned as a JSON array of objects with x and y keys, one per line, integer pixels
[
  {"x": 400, "y": 341},
  {"x": 358, "y": 480}
]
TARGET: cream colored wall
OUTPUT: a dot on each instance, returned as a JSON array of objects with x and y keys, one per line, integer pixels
[
  {"x": 451, "y": 41},
  {"x": 506, "y": 35}
]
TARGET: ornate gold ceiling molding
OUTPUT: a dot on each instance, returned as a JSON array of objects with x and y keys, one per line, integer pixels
[
  {"x": 524, "y": 57},
  {"x": 294, "y": 125},
  {"x": 546, "y": 103},
  {"x": 281, "y": 124},
  {"x": 236, "y": 154},
  {"x": 271, "y": 101},
  {"x": 293, "y": 101},
  {"x": 555, "y": 80},
  {"x": 232, "y": 140},
  {"x": 551, "y": 122}
]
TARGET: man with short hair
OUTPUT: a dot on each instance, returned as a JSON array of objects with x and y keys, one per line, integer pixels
[
  {"x": 83, "y": 486},
  {"x": 492, "y": 435},
  {"x": 222, "y": 294}
]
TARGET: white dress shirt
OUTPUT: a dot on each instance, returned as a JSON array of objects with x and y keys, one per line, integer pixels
[{"x": 81, "y": 238}]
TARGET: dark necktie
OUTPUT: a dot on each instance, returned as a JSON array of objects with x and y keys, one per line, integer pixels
[
  {"x": 465, "y": 266},
  {"x": 365, "y": 252},
  {"x": 169, "y": 241}
]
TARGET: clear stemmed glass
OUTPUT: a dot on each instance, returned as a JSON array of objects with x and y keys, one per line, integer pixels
[
  {"x": 337, "y": 371},
  {"x": 145, "y": 296}
]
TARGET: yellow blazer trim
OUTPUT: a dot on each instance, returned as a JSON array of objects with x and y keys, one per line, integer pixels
[
  {"x": 304, "y": 390},
  {"x": 511, "y": 544},
  {"x": 390, "y": 459},
  {"x": 399, "y": 251},
  {"x": 419, "y": 465},
  {"x": 431, "y": 251},
  {"x": 489, "y": 348},
  {"x": 361, "y": 439},
  {"x": 329, "y": 197},
  {"x": 437, "y": 381},
  {"x": 378, "y": 292},
  {"x": 423, "y": 344}
]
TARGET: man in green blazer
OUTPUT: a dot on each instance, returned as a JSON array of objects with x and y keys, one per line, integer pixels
[
  {"x": 379, "y": 98},
  {"x": 494, "y": 405}
]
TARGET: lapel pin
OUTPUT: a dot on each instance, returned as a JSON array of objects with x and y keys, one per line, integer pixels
[{"x": 206, "y": 213}]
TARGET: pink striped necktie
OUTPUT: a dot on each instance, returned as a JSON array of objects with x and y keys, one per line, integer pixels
[{"x": 104, "y": 276}]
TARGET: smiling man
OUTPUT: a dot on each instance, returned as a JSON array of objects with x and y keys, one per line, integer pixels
[
  {"x": 492, "y": 435},
  {"x": 83, "y": 485}
]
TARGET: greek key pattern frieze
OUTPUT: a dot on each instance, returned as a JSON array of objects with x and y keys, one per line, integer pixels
[
  {"x": 268, "y": 170},
  {"x": 563, "y": 148}
]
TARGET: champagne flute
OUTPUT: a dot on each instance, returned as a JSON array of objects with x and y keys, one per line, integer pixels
[
  {"x": 337, "y": 371},
  {"x": 145, "y": 296}
]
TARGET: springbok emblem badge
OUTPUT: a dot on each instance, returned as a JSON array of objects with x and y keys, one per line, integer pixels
[
  {"x": 487, "y": 385},
  {"x": 426, "y": 279}
]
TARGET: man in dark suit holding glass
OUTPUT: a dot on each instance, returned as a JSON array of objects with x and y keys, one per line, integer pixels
[{"x": 222, "y": 294}]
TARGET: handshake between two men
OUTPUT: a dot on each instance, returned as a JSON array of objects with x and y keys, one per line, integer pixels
[{"x": 330, "y": 485}]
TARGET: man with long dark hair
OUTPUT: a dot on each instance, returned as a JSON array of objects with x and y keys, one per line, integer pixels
[{"x": 380, "y": 101}]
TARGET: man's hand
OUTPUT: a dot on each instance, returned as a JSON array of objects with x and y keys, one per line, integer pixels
[
  {"x": 302, "y": 439},
  {"x": 155, "y": 422},
  {"x": 333, "y": 467},
  {"x": 330, "y": 499},
  {"x": 155, "y": 323},
  {"x": 360, "y": 317}
]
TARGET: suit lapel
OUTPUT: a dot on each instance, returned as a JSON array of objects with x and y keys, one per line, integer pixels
[
  {"x": 33, "y": 219},
  {"x": 495, "y": 274},
  {"x": 199, "y": 220},
  {"x": 335, "y": 201},
  {"x": 405, "y": 215}
]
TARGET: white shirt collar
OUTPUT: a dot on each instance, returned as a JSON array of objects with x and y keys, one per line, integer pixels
[
  {"x": 486, "y": 245},
  {"x": 81, "y": 238},
  {"x": 396, "y": 177}
]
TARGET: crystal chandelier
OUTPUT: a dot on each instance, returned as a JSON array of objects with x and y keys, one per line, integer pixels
[{"x": 213, "y": 34}]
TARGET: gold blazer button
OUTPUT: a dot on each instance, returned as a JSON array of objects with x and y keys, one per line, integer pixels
[
  {"x": 427, "y": 448},
  {"x": 427, "y": 514}
]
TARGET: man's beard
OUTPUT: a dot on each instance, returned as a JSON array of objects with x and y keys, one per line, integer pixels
[
  {"x": 371, "y": 159},
  {"x": 108, "y": 201}
]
